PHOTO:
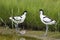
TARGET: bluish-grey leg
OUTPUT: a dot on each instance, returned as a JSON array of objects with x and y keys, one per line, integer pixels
[
  {"x": 46, "y": 30},
  {"x": 16, "y": 26}
]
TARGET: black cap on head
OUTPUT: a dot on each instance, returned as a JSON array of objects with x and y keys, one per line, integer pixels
[
  {"x": 25, "y": 11},
  {"x": 41, "y": 10}
]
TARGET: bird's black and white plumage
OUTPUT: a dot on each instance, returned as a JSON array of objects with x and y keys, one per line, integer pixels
[
  {"x": 19, "y": 19},
  {"x": 47, "y": 21}
]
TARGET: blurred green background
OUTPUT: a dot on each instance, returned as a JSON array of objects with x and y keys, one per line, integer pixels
[{"x": 51, "y": 9}]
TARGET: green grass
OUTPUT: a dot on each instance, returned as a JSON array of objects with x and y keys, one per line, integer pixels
[
  {"x": 50, "y": 7},
  {"x": 54, "y": 35},
  {"x": 15, "y": 37}
]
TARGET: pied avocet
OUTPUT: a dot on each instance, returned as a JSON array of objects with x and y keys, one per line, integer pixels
[
  {"x": 18, "y": 19},
  {"x": 47, "y": 21}
]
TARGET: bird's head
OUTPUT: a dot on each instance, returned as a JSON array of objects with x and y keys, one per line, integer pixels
[
  {"x": 25, "y": 12},
  {"x": 41, "y": 11}
]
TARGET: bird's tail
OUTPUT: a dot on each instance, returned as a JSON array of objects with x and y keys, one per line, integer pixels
[{"x": 53, "y": 22}]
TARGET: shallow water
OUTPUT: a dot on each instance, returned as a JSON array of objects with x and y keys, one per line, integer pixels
[{"x": 14, "y": 37}]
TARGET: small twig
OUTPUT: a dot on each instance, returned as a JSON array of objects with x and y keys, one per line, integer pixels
[
  {"x": 3, "y": 21},
  {"x": 12, "y": 16}
]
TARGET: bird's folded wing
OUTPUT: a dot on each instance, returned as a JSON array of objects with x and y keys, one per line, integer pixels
[
  {"x": 17, "y": 18},
  {"x": 46, "y": 19}
]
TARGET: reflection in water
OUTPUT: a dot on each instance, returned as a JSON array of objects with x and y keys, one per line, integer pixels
[{"x": 22, "y": 39}]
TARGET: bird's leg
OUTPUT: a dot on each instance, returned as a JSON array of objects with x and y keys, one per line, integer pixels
[
  {"x": 16, "y": 26},
  {"x": 46, "y": 30},
  {"x": 22, "y": 26}
]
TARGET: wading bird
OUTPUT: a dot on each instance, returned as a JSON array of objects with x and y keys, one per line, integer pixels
[
  {"x": 47, "y": 21},
  {"x": 18, "y": 19}
]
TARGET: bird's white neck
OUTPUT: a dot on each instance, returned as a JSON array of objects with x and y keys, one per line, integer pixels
[
  {"x": 41, "y": 12},
  {"x": 24, "y": 13}
]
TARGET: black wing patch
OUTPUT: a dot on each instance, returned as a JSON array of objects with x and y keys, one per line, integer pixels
[
  {"x": 47, "y": 21},
  {"x": 17, "y": 20}
]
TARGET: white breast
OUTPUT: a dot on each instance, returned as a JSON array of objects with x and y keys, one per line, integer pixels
[{"x": 47, "y": 20}]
